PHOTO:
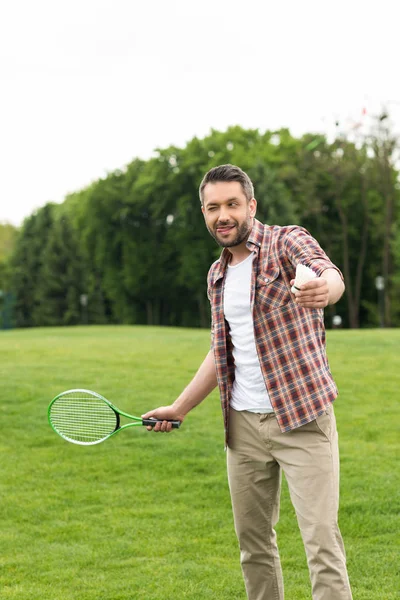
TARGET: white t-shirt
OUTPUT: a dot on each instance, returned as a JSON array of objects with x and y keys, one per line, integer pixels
[{"x": 249, "y": 391}]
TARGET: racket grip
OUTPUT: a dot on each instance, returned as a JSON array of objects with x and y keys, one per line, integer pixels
[{"x": 151, "y": 422}]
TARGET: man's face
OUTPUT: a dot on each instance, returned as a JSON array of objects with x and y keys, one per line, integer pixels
[{"x": 227, "y": 213}]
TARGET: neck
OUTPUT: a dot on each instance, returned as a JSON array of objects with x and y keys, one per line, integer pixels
[{"x": 239, "y": 253}]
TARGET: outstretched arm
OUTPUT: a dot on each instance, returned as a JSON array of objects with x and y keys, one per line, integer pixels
[{"x": 198, "y": 389}]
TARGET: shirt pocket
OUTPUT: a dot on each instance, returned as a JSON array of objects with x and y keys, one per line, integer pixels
[{"x": 271, "y": 290}]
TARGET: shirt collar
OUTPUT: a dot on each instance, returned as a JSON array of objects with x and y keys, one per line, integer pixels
[{"x": 256, "y": 235}]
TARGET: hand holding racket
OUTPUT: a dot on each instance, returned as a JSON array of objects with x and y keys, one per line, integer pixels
[
  {"x": 162, "y": 418},
  {"x": 86, "y": 418}
]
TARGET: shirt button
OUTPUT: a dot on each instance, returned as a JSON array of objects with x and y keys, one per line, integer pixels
[{"x": 266, "y": 280}]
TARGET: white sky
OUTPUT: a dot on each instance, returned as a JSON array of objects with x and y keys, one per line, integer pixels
[{"x": 87, "y": 85}]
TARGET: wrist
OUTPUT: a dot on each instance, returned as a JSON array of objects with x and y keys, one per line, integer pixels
[{"x": 179, "y": 408}]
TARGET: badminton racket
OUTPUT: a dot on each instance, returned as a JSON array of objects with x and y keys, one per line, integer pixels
[{"x": 84, "y": 417}]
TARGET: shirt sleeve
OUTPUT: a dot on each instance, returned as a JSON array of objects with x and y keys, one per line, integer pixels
[
  {"x": 301, "y": 247},
  {"x": 212, "y": 319}
]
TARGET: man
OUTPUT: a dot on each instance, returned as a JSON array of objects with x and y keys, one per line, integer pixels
[{"x": 268, "y": 359}]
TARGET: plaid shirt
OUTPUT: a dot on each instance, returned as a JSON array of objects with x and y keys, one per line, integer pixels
[{"x": 290, "y": 340}]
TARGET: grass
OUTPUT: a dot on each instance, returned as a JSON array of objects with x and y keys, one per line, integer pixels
[{"x": 146, "y": 516}]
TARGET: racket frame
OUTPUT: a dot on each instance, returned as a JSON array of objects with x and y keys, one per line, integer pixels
[{"x": 137, "y": 421}]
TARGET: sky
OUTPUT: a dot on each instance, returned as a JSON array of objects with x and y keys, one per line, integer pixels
[{"x": 88, "y": 85}]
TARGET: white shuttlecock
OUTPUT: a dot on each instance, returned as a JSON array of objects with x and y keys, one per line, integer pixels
[{"x": 303, "y": 274}]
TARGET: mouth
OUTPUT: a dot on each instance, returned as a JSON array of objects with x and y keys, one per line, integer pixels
[{"x": 225, "y": 229}]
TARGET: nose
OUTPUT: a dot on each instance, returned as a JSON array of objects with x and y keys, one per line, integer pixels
[{"x": 223, "y": 214}]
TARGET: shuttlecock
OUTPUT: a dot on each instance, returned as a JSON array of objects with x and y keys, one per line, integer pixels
[{"x": 303, "y": 274}]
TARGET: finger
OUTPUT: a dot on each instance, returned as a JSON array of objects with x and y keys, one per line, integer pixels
[
  {"x": 316, "y": 291},
  {"x": 313, "y": 284},
  {"x": 314, "y": 304},
  {"x": 165, "y": 427},
  {"x": 311, "y": 297},
  {"x": 155, "y": 427},
  {"x": 308, "y": 297},
  {"x": 148, "y": 415}
]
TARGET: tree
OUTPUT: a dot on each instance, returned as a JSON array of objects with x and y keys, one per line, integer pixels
[
  {"x": 26, "y": 262},
  {"x": 134, "y": 243},
  {"x": 8, "y": 238},
  {"x": 58, "y": 293},
  {"x": 386, "y": 150}
]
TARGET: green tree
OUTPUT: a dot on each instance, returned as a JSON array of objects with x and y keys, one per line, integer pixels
[
  {"x": 134, "y": 243},
  {"x": 26, "y": 263},
  {"x": 8, "y": 238},
  {"x": 58, "y": 295}
]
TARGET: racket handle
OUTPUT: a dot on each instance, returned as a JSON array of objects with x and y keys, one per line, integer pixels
[{"x": 151, "y": 422}]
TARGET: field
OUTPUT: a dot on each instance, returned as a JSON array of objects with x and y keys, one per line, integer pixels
[{"x": 147, "y": 516}]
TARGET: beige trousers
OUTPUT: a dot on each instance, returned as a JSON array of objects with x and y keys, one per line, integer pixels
[{"x": 309, "y": 458}]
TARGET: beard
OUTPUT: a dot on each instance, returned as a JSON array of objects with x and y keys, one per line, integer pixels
[{"x": 242, "y": 233}]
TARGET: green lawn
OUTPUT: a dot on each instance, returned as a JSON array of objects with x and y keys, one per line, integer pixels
[{"x": 146, "y": 516}]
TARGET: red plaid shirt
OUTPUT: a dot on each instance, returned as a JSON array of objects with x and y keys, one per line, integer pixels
[{"x": 290, "y": 340}]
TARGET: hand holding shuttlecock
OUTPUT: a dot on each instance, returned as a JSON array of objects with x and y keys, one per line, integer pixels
[{"x": 303, "y": 275}]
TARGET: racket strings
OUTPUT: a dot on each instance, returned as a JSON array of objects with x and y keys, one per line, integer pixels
[{"x": 83, "y": 418}]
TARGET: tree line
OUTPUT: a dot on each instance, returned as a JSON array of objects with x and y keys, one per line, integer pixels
[{"x": 132, "y": 247}]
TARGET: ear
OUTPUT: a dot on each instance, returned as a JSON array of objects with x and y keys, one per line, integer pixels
[{"x": 253, "y": 207}]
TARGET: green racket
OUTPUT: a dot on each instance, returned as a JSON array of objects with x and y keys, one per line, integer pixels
[{"x": 86, "y": 418}]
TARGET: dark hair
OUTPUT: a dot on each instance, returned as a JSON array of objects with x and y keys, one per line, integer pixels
[{"x": 228, "y": 173}]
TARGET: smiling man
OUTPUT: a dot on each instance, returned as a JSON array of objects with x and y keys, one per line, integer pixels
[
  {"x": 268, "y": 358},
  {"x": 222, "y": 210}
]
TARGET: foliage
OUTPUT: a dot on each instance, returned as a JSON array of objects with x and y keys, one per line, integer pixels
[
  {"x": 134, "y": 242},
  {"x": 27, "y": 262},
  {"x": 8, "y": 236}
]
